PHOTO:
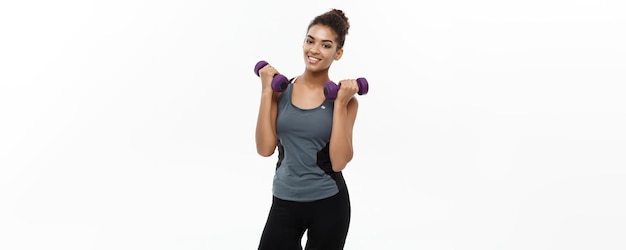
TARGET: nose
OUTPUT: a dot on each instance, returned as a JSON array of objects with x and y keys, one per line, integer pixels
[{"x": 315, "y": 49}]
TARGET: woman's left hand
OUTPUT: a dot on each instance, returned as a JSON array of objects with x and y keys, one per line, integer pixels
[{"x": 347, "y": 89}]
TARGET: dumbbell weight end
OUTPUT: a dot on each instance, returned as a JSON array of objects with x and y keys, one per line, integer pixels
[{"x": 279, "y": 82}]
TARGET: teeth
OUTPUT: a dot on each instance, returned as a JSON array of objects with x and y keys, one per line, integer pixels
[{"x": 314, "y": 59}]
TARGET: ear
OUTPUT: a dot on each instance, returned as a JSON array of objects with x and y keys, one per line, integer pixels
[{"x": 338, "y": 54}]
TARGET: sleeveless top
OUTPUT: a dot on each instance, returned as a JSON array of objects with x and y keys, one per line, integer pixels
[{"x": 303, "y": 171}]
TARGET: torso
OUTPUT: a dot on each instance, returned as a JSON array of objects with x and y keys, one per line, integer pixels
[{"x": 303, "y": 125}]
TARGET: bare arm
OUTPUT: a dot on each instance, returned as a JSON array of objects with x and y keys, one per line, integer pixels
[
  {"x": 266, "y": 139},
  {"x": 340, "y": 148}
]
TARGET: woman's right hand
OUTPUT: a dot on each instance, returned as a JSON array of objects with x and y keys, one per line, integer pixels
[{"x": 267, "y": 73}]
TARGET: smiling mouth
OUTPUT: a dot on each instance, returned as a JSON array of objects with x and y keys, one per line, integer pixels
[{"x": 313, "y": 60}]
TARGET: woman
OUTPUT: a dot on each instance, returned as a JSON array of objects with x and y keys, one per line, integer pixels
[{"x": 314, "y": 140}]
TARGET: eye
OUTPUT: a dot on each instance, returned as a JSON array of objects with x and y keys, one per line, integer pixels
[
  {"x": 309, "y": 41},
  {"x": 327, "y": 46}
]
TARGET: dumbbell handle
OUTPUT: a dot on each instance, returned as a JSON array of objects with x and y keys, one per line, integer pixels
[
  {"x": 279, "y": 82},
  {"x": 331, "y": 88}
]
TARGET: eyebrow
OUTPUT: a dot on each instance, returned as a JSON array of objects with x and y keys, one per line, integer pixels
[{"x": 309, "y": 36}]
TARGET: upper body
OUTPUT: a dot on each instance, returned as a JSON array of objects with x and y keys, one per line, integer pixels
[{"x": 330, "y": 132}]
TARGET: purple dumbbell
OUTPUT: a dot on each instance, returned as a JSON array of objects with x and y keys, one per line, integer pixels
[
  {"x": 279, "y": 82},
  {"x": 331, "y": 88}
]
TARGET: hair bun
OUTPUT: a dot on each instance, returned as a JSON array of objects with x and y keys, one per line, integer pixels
[{"x": 343, "y": 16}]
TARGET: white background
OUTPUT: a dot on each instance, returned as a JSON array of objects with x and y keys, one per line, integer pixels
[{"x": 488, "y": 125}]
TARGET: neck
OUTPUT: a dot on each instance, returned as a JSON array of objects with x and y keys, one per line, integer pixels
[{"x": 315, "y": 78}]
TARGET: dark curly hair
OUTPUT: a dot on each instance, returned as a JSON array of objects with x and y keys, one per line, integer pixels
[{"x": 336, "y": 20}]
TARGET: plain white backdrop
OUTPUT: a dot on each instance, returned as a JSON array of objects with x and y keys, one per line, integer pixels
[{"x": 488, "y": 125}]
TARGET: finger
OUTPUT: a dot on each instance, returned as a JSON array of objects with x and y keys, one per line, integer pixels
[
  {"x": 348, "y": 87},
  {"x": 350, "y": 84},
  {"x": 269, "y": 70}
]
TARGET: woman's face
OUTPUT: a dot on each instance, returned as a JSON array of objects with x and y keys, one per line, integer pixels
[{"x": 320, "y": 48}]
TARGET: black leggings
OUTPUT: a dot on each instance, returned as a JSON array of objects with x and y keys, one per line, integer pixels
[{"x": 326, "y": 220}]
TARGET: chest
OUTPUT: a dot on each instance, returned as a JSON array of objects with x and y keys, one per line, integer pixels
[{"x": 314, "y": 123}]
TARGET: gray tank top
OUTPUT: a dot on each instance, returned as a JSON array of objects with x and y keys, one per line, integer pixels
[{"x": 303, "y": 171}]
